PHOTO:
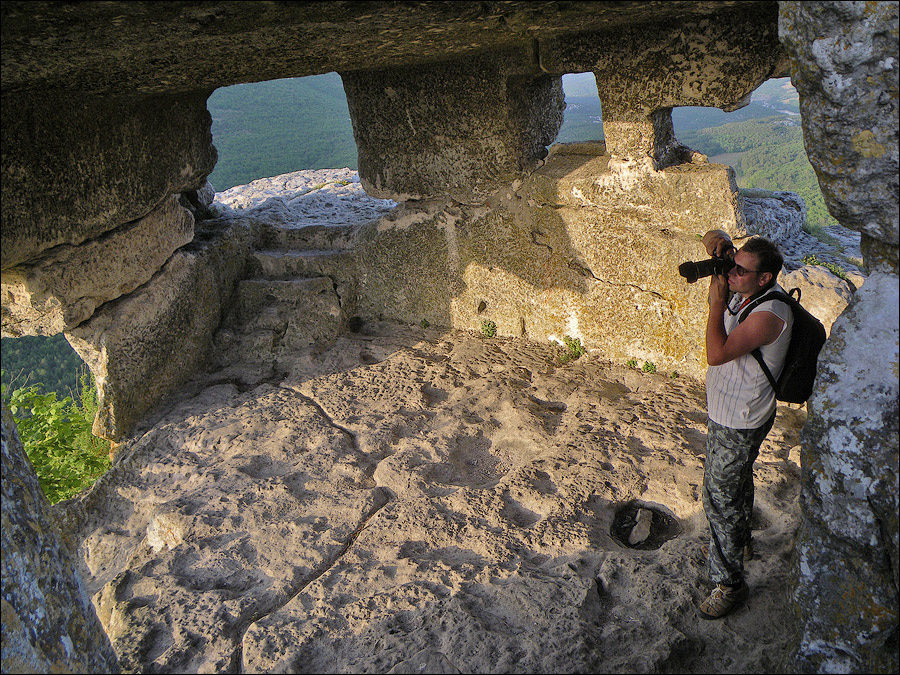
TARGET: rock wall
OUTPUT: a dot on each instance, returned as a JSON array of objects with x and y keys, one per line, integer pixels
[
  {"x": 49, "y": 623},
  {"x": 844, "y": 64},
  {"x": 585, "y": 247},
  {"x": 105, "y": 123}
]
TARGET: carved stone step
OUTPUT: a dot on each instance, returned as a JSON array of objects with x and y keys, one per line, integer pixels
[
  {"x": 310, "y": 237},
  {"x": 271, "y": 319},
  {"x": 280, "y": 264}
]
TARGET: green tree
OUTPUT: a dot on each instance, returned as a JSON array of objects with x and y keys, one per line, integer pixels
[{"x": 57, "y": 438}]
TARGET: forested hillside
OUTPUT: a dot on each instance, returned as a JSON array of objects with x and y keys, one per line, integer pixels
[{"x": 269, "y": 128}]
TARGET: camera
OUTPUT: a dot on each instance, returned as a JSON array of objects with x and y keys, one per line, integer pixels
[{"x": 697, "y": 270}]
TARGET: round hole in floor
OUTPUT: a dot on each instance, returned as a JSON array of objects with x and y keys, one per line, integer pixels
[{"x": 646, "y": 531}]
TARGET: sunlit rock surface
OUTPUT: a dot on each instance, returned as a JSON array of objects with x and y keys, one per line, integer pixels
[
  {"x": 848, "y": 564},
  {"x": 63, "y": 288},
  {"x": 415, "y": 498}
]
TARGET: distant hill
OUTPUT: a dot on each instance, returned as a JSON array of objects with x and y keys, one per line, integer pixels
[{"x": 269, "y": 128}]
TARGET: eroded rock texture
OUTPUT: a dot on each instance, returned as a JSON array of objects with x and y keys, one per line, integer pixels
[
  {"x": 63, "y": 288},
  {"x": 647, "y": 68},
  {"x": 415, "y": 500},
  {"x": 845, "y": 67},
  {"x": 144, "y": 345},
  {"x": 104, "y": 125},
  {"x": 49, "y": 623},
  {"x": 75, "y": 166},
  {"x": 848, "y": 548},
  {"x": 461, "y": 128}
]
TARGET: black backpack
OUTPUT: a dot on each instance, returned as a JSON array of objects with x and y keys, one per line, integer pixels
[{"x": 795, "y": 384}]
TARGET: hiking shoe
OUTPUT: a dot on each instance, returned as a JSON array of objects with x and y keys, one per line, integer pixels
[{"x": 723, "y": 600}]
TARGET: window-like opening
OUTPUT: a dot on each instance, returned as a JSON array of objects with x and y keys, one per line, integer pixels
[
  {"x": 582, "y": 120},
  {"x": 265, "y": 129},
  {"x": 763, "y": 142}
]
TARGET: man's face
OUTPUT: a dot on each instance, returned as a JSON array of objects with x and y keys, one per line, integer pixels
[{"x": 744, "y": 277}]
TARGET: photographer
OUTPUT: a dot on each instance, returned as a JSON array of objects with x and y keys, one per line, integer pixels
[{"x": 740, "y": 404}]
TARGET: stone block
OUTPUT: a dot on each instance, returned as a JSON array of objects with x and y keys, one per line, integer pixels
[
  {"x": 458, "y": 127},
  {"x": 63, "y": 288},
  {"x": 145, "y": 345},
  {"x": 646, "y": 69},
  {"x": 49, "y": 623},
  {"x": 844, "y": 65},
  {"x": 75, "y": 166},
  {"x": 822, "y": 293},
  {"x": 847, "y": 566},
  {"x": 576, "y": 250}
]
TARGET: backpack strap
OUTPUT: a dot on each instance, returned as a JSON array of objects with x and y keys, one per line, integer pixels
[{"x": 757, "y": 353}]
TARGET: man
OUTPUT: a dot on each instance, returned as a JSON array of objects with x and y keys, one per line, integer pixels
[{"x": 740, "y": 404}]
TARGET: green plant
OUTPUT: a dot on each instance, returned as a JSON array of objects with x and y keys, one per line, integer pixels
[
  {"x": 488, "y": 328},
  {"x": 425, "y": 323},
  {"x": 574, "y": 349},
  {"x": 836, "y": 270},
  {"x": 631, "y": 363},
  {"x": 673, "y": 374},
  {"x": 57, "y": 438},
  {"x": 648, "y": 367}
]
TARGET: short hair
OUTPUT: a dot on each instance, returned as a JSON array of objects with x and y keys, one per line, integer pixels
[{"x": 767, "y": 253}]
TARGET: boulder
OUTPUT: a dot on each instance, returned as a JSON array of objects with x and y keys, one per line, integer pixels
[
  {"x": 63, "y": 288},
  {"x": 847, "y": 574},
  {"x": 143, "y": 346},
  {"x": 75, "y": 166},
  {"x": 845, "y": 66},
  {"x": 49, "y": 623},
  {"x": 822, "y": 293}
]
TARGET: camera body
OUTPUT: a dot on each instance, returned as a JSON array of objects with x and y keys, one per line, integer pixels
[{"x": 692, "y": 271}]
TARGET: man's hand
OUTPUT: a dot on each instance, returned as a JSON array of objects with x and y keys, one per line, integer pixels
[
  {"x": 718, "y": 293},
  {"x": 717, "y": 243}
]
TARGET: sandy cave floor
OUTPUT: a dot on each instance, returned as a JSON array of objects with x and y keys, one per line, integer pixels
[{"x": 416, "y": 500}]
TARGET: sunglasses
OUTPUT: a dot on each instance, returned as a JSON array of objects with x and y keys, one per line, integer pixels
[{"x": 741, "y": 271}]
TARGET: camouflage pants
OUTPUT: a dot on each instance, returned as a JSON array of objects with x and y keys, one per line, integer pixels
[{"x": 728, "y": 496}]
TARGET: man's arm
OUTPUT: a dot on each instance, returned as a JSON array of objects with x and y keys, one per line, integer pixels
[{"x": 758, "y": 329}]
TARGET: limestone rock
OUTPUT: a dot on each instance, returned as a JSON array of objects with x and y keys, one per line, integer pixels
[
  {"x": 578, "y": 249},
  {"x": 222, "y": 43},
  {"x": 49, "y": 623},
  {"x": 199, "y": 201},
  {"x": 273, "y": 318},
  {"x": 846, "y": 595},
  {"x": 646, "y": 69},
  {"x": 408, "y": 497},
  {"x": 143, "y": 346},
  {"x": 777, "y": 216},
  {"x": 849, "y": 128},
  {"x": 321, "y": 197},
  {"x": 823, "y": 294},
  {"x": 63, "y": 288},
  {"x": 641, "y": 529},
  {"x": 76, "y": 167},
  {"x": 468, "y": 125}
]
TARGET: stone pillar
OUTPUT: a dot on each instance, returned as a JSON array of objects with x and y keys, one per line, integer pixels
[
  {"x": 844, "y": 64},
  {"x": 645, "y": 70},
  {"x": 457, "y": 128},
  {"x": 49, "y": 623},
  {"x": 75, "y": 167},
  {"x": 142, "y": 347}
]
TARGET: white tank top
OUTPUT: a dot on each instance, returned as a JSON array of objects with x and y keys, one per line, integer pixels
[{"x": 738, "y": 393}]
